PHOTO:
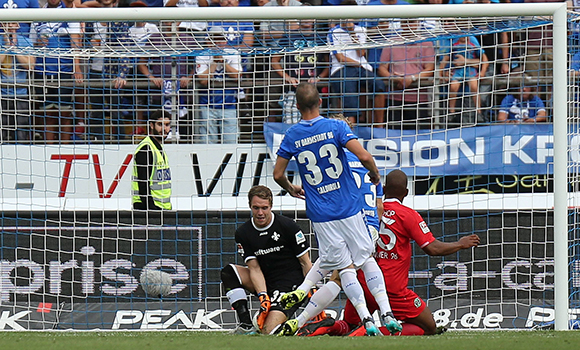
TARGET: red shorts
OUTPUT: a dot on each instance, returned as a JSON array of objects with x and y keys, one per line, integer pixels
[{"x": 405, "y": 306}]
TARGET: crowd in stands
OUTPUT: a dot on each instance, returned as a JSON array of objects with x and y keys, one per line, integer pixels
[{"x": 224, "y": 93}]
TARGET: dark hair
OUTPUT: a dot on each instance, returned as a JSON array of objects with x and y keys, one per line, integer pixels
[
  {"x": 396, "y": 183},
  {"x": 262, "y": 192},
  {"x": 307, "y": 97},
  {"x": 159, "y": 114}
]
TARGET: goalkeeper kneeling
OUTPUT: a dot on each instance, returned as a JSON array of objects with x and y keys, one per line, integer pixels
[{"x": 276, "y": 253}]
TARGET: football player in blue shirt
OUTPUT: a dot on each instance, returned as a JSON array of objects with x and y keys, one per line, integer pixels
[
  {"x": 372, "y": 194},
  {"x": 373, "y": 209},
  {"x": 333, "y": 204}
]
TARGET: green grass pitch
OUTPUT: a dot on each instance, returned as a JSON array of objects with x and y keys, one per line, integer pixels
[{"x": 173, "y": 340}]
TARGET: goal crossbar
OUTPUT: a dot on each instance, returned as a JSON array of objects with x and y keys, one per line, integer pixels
[{"x": 263, "y": 13}]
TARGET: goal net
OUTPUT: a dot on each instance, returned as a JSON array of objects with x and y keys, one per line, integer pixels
[{"x": 461, "y": 97}]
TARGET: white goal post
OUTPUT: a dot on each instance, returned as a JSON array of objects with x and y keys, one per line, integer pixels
[{"x": 558, "y": 11}]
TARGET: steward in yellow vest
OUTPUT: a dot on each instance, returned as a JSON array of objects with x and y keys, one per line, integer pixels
[{"x": 151, "y": 184}]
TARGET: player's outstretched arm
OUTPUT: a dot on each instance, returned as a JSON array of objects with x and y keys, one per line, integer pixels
[
  {"x": 259, "y": 284},
  {"x": 438, "y": 248},
  {"x": 365, "y": 158},
  {"x": 256, "y": 276}
]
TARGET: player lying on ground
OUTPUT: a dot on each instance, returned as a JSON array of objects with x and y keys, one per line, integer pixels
[{"x": 399, "y": 225}]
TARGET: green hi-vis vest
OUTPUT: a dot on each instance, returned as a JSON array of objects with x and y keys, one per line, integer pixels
[{"x": 160, "y": 179}]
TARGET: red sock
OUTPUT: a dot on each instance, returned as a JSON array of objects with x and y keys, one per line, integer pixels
[
  {"x": 412, "y": 329},
  {"x": 339, "y": 328},
  {"x": 408, "y": 329}
]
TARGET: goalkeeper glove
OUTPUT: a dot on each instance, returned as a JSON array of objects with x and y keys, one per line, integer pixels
[{"x": 265, "y": 305}]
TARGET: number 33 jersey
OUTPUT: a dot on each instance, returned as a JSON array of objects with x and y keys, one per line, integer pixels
[
  {"x": 330, "y": 189},
  {"x": 399, "y": 225}
]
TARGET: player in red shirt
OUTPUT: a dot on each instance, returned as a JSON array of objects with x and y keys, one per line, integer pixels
[{"x": 399, "y": 225}]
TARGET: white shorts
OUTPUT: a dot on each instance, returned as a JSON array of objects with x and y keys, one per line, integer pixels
[
  {"x": 343, "y": 242},
  {"x": 374, "y": 234}
]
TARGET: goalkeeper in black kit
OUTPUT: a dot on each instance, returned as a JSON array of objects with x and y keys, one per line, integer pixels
[{"x": 276, "y": 253}]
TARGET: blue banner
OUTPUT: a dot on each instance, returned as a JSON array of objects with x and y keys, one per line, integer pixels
[{"x": 502, "y": 149}]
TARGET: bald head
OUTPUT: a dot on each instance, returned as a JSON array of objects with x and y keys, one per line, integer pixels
[
  {"x": 307, "y": 97},
  {"x": 396, "y": 185}
]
